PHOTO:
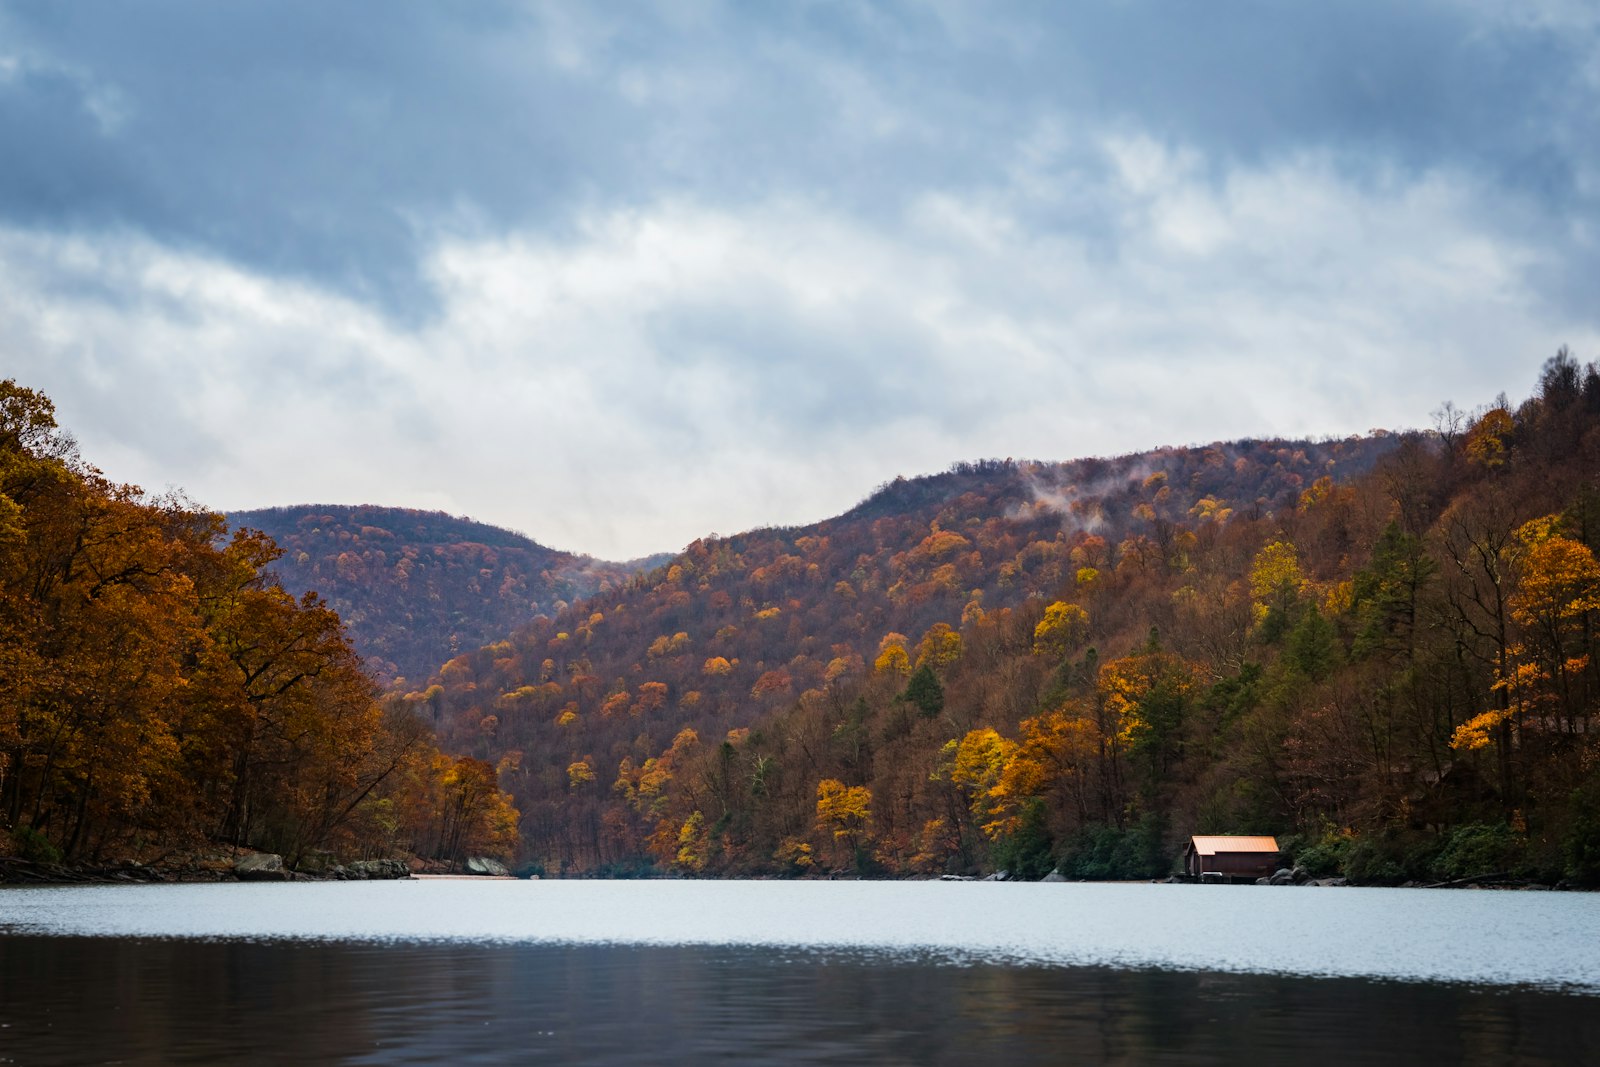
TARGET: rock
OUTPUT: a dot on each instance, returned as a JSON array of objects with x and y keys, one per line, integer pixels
[
  {"x": 487, "y": 866},
  {"x": 1329, "y": 881},
  {"x": 260, "y": 867},
  {"x": 1282, "y": 876},
  {"x": 377, "y": 869},
  {"x": 998, "y": 876},
  {"x": 316, "y": 862},
  {"x": 1054, "y": 876},
  {"x": 1263, "y": 880},
  {"x": 1300, "y": 875}
]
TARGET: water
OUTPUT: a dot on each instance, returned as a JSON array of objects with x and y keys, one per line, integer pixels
[{"x": 653, "y": 972}]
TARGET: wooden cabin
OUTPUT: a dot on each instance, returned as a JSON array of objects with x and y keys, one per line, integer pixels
[{"x": 1235, "y": 857}]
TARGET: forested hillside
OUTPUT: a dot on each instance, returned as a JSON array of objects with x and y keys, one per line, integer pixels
[
  {"x": 163, "y": 694},
  {"x": 735, "y": 631},
  {"x": 418, "y": 587},
  {"x": 1380, "y": 649}
]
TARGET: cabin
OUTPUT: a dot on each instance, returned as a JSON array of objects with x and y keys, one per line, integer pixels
[{"x": 1234, "y": 857}]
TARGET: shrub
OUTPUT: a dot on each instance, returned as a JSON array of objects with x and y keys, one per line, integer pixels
[
  {"x": 33, "y": 846},
  {"x": 1105, "y": 853},
  {"x": 1477, "y": 849},
  {"x": 1581, "y": 845},
  {"x": 1325, "y": 856},
  {"x": 1027, "y": 853},
  {"x": 1389, "y": 857}
]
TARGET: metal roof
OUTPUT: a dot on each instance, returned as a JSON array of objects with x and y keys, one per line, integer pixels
[{"x": 1210, "y": 846}]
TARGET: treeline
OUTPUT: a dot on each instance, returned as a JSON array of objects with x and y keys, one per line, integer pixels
[
  {"x": 163, "y": 694},
  {"x": 1395, "y": 672},
  {"x": 417, "y": 587}
]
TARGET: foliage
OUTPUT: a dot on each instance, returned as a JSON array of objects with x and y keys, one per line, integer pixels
[
  {"x": 1110, "y": 853},
  {"x": 1027, "y": 852},
  {"x": 1368, "y": 646},
  {"x": 1390, "y": 856},
  {"x": 1480, "y": 849},
  {"x": 418, "y": 587},
  {"x": 924, "y": 691},
  {"x": 1581, "y": 844},
  {"x": 1325, "y": 856},
  {"x": 29, "y": 844},
  {"x": 164, "y": 691}
]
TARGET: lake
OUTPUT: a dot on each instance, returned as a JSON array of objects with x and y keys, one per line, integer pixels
[{"x": 794, "y": 972}]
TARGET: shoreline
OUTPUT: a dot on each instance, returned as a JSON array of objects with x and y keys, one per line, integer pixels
[{"x": 16, "y": 872}]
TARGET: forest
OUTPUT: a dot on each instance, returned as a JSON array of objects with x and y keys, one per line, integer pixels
[
  {"x": 1380, "y": 649},
  {"x": 164, "y": 697},
  {"x": 415, "y": 588}
]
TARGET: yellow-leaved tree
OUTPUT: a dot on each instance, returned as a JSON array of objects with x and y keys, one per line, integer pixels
[
  {"x": 1554, "y": 604},
  {"x": 844, "y": 811}
]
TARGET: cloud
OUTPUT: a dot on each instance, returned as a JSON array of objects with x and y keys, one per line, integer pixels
[
  {"x": 660, "y": 370},
  {"x": 619, "y": 275},
  {"x": 330, "y": 144}
]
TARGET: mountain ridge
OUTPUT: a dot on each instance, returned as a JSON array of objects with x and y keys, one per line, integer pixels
[{"x": 415, "y": 586}]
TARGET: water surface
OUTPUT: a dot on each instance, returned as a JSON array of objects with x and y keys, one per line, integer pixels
[{"x": 741, "y": 972}]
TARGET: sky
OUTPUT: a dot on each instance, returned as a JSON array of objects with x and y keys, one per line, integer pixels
[{"x": 622, "y": 275}]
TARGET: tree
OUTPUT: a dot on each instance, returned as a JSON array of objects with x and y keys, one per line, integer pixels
[
  {"x": 924, "y": 691},
  {"x": 1275, "y": 582},
  {"x": 1061, "y": 630},
  {"x": 843, "y": 811}
]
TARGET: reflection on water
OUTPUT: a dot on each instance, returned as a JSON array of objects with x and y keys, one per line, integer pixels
[
  {"x": 72, "y": 1000},
  {"x": 923, "y": 973},
  {"x": 1532, "y": 939}
]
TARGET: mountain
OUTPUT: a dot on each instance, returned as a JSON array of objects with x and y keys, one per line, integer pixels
[
  {"x": 733, "y": 634},
  {"x": 417, "y": 587}
]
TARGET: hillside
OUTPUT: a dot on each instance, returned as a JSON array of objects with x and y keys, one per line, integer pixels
[
  {"x": 417, "y": 587},
  {"x": 732, "y": 633},
  {"x": 1380, "y": 649}
]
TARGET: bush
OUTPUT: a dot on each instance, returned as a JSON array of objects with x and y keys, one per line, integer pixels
[
  {"x": 1478, "y": 849},
  {"x": 1027, "y": 854},
  {"x": 1106, "y": 853},
  {"x": 1324, "y": 857},
  {"x": 1581, "y": 845},
  {"x": 33, "y": 846},
  {"x": 1387, "y": 857},
  {"x": 630, "y": 867}
]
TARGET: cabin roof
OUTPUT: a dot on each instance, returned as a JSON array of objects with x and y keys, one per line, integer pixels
[{"x": 1210, "y": 846}]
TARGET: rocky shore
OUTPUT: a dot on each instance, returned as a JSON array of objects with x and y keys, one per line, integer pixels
[{"x": 243, "y": 867}]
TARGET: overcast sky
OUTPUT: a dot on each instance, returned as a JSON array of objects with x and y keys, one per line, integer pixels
[{"x": 621, "y": 275}]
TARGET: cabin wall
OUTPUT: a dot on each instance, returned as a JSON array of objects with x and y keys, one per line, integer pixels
[{"x": 1256, "y": 864}]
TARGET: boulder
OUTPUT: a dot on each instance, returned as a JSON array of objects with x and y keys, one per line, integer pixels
[
  {"x": 1282, "y": 876},
  {"x": 377, "y": 869},
  {"x": 316, "y": 862},
  {"x": 486, "y": 866},
  {"x": 260, "y": 867},
  {"x": 1054, "y": 876}
]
